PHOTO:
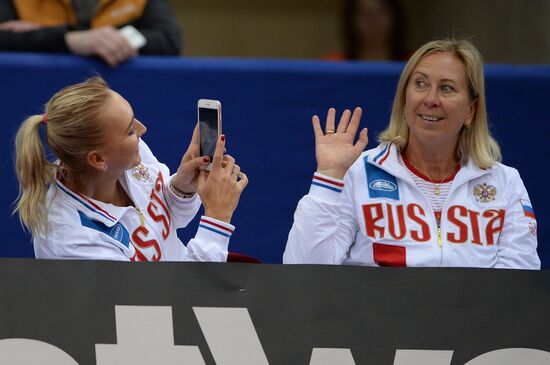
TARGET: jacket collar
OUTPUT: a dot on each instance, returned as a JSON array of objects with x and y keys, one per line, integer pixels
[
  {"x": 96, "y": 210},
  {"x": 385, "y": 157}
]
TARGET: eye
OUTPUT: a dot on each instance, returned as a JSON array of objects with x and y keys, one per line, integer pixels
[
  {"x": 447, "y": 88},
  {"x": 421, "y": 84}
]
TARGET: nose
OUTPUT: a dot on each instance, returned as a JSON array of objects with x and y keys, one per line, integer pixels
[
  {"x": 141, "y": 128},
  {"x": 432, "y": 99}
]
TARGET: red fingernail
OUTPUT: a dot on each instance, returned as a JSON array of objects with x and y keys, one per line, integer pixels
[
  {"x": 222, "y": 137},
  {"x": 206, "y": 159}
]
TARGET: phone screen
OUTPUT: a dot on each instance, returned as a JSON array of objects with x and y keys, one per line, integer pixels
[{"x": 208, "y": 131}]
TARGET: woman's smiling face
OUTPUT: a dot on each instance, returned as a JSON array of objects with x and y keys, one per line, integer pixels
[
  {"x": 123, "y": 134},
  {"x": 437, "y": 100}
]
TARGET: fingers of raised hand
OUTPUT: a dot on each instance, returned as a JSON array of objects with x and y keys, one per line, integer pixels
[
  {"x": 363, "y": 140},
  {"x": 317, "y": 130},
  {"x": 344, "y": 121},
  {"x": 355, "y": 120},
  {"x": 331, "y": 116}
]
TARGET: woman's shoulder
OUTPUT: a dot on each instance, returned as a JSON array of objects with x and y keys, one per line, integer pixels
[
  {"x": 505, "y": 178},
  {"x": 60, "y": 211},
  {"x": 504, "y": 171}
]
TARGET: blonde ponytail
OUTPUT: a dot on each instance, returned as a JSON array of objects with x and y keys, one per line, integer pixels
[
  {"x": 34, "y": 173},
  {"x": 72, "y": 129}
]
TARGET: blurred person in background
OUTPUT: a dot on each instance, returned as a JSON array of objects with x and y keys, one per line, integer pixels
[
  {"x": 90, "y": 27},
  {"x": 372, "y": 30}
]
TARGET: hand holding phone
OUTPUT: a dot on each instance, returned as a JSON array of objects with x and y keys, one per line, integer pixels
[
  {"x": 221, "y": 187},
  {"x": 210, "y": 126}
]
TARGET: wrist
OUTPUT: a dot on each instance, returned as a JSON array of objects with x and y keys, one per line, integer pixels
[
  {"x": 334, "y": 173},
  {"x": 221, "y": 216},
  {"x": 181, "y": 194}
]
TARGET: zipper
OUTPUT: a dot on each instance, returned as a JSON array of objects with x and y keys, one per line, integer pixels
[
  {"x": 141, "y": 217},
  {"x": 134, "y": 205},
  {"x": 438, "y": 224},
  {"x": 407, "y": 179}
]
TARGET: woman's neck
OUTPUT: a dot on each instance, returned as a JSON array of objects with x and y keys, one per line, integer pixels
[
  {"x": 437, "y": 164},
  {"x": 101, "y": 188}
]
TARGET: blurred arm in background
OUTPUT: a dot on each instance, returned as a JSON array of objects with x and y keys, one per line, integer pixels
[{"x": 88, "y": 29}]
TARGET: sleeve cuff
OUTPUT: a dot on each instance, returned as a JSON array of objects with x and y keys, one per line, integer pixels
[
  {"x": 176, "y": 197},
  {"x": 326, "y": 187},
  {"x": 213, "y": 229}
]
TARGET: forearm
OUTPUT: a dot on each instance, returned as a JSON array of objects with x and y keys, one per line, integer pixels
[
  {"x": 50, "y": 39},
  {"x": 211, "y": 241},
  {"x": 183, "y": 210},
  {"x": 320, "y": 233}
]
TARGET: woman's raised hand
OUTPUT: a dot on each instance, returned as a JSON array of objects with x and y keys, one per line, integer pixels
[
  {"x": 334, "y": 149},
  {"x": 221, "y": 187}
]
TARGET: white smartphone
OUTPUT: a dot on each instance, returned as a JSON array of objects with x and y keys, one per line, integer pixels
[
  {"x": 133, "y": 36},
  {"x": 210, "y": 126}
]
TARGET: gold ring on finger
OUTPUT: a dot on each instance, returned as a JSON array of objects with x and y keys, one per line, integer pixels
[{"x": 330, "y": 131}]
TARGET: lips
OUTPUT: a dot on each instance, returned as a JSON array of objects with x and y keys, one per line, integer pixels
[{"x": 430, "y": 118}]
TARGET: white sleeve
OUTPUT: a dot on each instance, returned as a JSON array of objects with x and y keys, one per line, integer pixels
[
  {"x": 183, "y": 210},
  {"x": 324, "y": 227},
  {"x": 211, "y": 241},
  {"x": 517, "y": 244}
]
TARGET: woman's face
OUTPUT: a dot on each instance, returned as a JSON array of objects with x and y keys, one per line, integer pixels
[
  {"x": 123, "y": 132},
  {"x": 373, "y": 22},
  {"x": 437, "y": 101}
]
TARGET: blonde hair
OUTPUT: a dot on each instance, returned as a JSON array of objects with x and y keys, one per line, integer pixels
[
  {"x": 474, "y": 141},
  {"x": 71, "y": 129}
]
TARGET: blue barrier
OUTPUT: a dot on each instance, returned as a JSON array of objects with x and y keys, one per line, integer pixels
[{"x": 267, "y": 108}]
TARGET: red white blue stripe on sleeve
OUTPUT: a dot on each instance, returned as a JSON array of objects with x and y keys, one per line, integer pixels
[
  {"x": 528, "y": 210},
  {"x": 327, "y": 182},
  {"x": 215, "y": 227}
]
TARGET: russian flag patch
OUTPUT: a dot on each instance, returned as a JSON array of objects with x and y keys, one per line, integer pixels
[
  {"x": 527, "y": 208},
  {"x": 215, "y": 227},
  {"x": 327, "y": 182}
]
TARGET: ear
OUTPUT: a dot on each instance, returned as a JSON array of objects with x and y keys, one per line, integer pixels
[
  {"x": 471, "y": 113},
  {"x": 96, "y": 161}
]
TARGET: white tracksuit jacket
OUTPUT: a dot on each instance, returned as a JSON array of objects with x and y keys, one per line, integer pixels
[
  {"x": 377, "y": 216},
  {"x": 84, "y": 228}
]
